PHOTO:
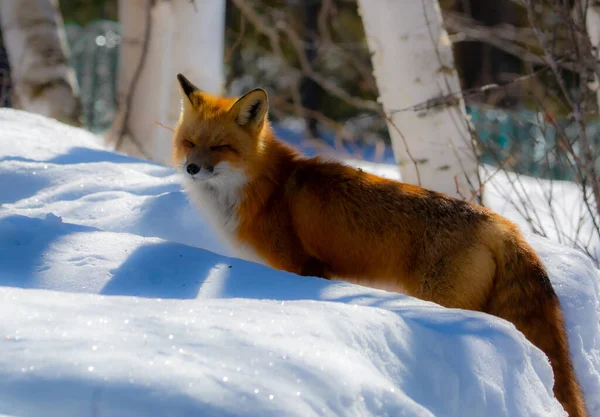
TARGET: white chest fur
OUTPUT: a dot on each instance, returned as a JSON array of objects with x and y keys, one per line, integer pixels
[{"x": 218, "y": 198}]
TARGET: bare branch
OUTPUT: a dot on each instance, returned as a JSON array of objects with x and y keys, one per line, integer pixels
[{"x": 270, "y": 30}]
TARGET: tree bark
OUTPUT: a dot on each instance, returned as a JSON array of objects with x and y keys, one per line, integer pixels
[
  {"x": 421, "y": 96},
  {"x": 593, "y": 29},
  {"x": 160, "y": 39},
  {"x": 34, "y": 38}
]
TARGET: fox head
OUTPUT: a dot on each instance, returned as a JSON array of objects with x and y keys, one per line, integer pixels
[{"x": 216, "y": 137}]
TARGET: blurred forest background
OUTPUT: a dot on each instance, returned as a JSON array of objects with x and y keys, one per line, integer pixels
[{"x": 528, "y": 74}]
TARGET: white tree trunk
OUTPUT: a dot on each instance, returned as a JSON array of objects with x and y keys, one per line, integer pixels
[
  {"x": 413, "y": 64},
  {"x": 593, "y": 29},
  {"x": 35, "y": 42},
  {"x": 143, "y": 67},
  {"x": 183, "y": 37}
]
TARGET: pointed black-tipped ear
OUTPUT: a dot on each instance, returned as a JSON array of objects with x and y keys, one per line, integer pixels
[
  {"x": 251, "y": 109},
  {"x": 186, "y": 86},
  {"x": 187, "y": 89}
]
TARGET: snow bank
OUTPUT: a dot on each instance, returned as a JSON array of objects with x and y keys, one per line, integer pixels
[
  {"x": 69, "y": 354},
  {"x": 119, "y": 301},
  {"x": 560, "y": 211}
]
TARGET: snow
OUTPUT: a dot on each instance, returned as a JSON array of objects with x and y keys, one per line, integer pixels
[
  {"x": 560, "y": 211},
  {"x": 118, "y": 300}
]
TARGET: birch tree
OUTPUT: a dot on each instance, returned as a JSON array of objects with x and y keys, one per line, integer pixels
[
  {"x": 35, "y": 42},
  {"x": 420, "y": 93},
  {"x": 593, "y": 30},
  {"x": 160, "y": 39}
]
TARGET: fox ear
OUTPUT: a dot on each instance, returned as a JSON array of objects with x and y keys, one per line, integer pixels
[
  {"x": 251, "y": 109},
  {"x": 187, "y": 92}
]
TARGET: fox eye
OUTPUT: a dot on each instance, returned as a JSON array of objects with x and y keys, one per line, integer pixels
[
  {"x": 188, "y": 144},
  {"x": 221, "y": 147}
]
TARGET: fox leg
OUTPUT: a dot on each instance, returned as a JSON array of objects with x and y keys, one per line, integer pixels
[{"x": 313, "y": 267}]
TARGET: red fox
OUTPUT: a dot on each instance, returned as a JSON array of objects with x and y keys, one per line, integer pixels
[{"x": 320, "y": 218}]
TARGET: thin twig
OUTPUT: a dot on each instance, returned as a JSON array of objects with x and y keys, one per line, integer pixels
[
  {"x": 487, "y": 180},
  {"x": 238, "y": 40},
  {"x": 270, "y": 30},
  {"x": 156, "y": 122},
  {"x": 406, "y": 147}
]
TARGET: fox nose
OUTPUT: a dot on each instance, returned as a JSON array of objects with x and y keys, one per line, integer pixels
[{"x": 192, "y": 169}]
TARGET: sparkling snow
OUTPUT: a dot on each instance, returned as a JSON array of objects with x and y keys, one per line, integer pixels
[{"x": 117, "y": 300}]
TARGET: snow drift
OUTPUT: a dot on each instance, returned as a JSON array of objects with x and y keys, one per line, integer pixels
[{"x": 117, "y": 300}]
